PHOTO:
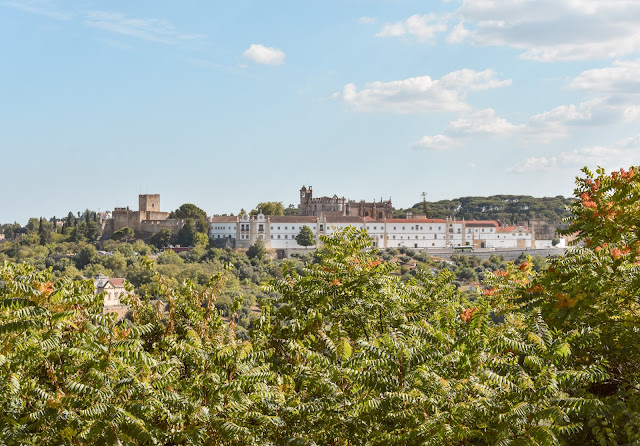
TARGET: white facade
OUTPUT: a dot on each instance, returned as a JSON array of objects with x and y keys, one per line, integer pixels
[
  {"x": 279, "y": 232},
  {"x": 113, "y": 289}
]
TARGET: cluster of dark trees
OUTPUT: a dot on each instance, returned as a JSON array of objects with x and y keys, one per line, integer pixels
[{"x": 508, "y": 209}]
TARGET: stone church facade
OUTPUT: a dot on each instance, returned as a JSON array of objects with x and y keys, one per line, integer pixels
[{"x": 339, "y": 206}]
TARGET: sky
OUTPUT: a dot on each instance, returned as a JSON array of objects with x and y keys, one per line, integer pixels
[{"x": 228, "y": 104}]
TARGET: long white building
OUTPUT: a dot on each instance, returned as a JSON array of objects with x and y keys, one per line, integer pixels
[{"x": 279, "y": 232}]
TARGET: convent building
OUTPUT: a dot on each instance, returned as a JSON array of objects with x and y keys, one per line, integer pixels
[{"x": 279, "y": 232}]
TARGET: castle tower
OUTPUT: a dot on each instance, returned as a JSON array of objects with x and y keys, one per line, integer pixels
[
  {"x": 149, "y": 203},
  {"x": 305, "y": 198}
]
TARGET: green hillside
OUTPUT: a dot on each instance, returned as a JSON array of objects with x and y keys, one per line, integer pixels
[{"x": 508, "y": 209}]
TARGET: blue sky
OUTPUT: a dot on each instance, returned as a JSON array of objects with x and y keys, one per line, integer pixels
[{"x": 228, "y": 104}]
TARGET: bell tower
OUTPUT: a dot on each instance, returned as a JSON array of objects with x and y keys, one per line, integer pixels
[{"x": 305, "y": 198}]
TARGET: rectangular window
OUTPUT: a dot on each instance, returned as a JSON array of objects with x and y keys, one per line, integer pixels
[
  {"x": 285, "y": 236},
  {"x": 322, "y": 227},
  {"x": 271, "y": 235},
  {"x": 278, "y": 235}
]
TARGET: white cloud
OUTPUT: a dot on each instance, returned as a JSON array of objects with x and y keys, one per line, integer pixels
[
  {"x": 550, "y": 30},
  {"x": 154, "y": 30},
  {"x": 544, "y": 127},
  {"x": 611, "y": 158},
  {"x": 534, "y": 165},
  {"x": 480, "y": 123},
  {"x": 483, "y": 122},
  {"x": 574, "y": 159},
  {"x": 422, "y": 28},
  {"x": 367, "y": 20},
  {"x": 436, "y": 142},
  {"x": 264, "y": 55},
  {"x": 632, "y": 142},
  {"x": 621, "y": 78},
  {"x": 421, "y": 94},
  {"x": 558, "y": 122},
  {"x": 458, "y": 34}
]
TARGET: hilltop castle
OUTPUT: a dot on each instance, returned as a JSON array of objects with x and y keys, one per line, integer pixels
[
  {"x": 341, "y": 207},
  {"x": 148, "y": 218}
]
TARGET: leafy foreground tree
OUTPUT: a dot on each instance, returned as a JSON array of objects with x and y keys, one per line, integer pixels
[
  {"x": 595, "y": 290},
  {"x": 367, "y": 360},
  {"x": 71, "y": 375},
  {"x": 343, "y": 353}
]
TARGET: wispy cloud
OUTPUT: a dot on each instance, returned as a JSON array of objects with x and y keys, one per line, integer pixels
[
  {"x": 483, "y": 122},
  {"x": 576, "y": 30},
  {"x": 154, "y": 30},
  {"x": 436, "y": 142},
  {"x": 264, "y": 55},
  {"x": 39, "y": 7},
  {"x": 623, "y": 77},
  {"x": 541, "y": 128},
  {"x": 420, "y": 27},
  {"x": 421, "y": 94},
  {"x": 611, "y": 157}
]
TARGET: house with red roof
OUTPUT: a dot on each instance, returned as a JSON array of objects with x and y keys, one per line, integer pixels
[{"x": 113, "y": 290}]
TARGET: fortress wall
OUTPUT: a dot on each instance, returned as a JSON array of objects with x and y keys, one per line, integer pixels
[
  {"x": 156, "y": 215},
  {"x": 154, "y": 226}
]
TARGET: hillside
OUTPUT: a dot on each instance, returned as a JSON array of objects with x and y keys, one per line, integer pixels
[{"x": 508, "y": 209}]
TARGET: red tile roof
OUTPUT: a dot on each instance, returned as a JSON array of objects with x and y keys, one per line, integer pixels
[
  {"x": 481, "y": 223},
  {"x": 291, "y": 218},
  {"x": 117, "y": 282},
  {"x": 513, "y": 228},
  {"x": 224, "y": 219},
  {"x": 415, "y": 220},
  {"x": 345, "y": 219}
]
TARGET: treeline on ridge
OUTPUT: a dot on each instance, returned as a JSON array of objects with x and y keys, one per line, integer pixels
[{"x": 508, "y": 209}]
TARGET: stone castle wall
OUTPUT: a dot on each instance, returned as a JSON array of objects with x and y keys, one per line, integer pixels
[{"x": 149, "y": 218}]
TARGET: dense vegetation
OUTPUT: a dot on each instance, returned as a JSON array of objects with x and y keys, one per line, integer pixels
[
  {"x": 343, "y": 353},
  {"x": 509, "y": 209}
]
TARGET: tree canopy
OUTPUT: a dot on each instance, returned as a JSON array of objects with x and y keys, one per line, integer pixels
[
  {"x": 509, "y": 209},
  {"x": 269, "y": 208},
  {"x": 343, "y": 351},
  {"x": 188, "y": 210},
  {"x": 305, "y": 237}
]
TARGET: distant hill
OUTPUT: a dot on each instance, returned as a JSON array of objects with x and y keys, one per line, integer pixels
[{"x": 509, "y": 209}]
